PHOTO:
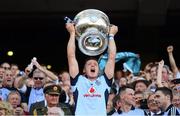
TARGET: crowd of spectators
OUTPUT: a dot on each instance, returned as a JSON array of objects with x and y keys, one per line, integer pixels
[{"x": 39, "y": 91}]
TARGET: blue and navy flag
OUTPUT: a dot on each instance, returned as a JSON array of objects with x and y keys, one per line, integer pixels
[{"x": 132, "y": 61}]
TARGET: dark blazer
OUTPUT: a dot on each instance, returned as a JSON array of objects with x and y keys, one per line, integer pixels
[
  {"x": 35, "y": 106},
  {"x": 39, "y": 108}
]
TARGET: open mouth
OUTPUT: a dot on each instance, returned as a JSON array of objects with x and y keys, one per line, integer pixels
[
  {"x": 9, "y": 80},
  {"x": 93, "y": 70},
  {"x": 1, "y": 77}
]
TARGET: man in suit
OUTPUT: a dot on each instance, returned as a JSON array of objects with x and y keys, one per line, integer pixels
[
  {"x": 36, "y": 105},
  {"x": 163, "y": 97}
]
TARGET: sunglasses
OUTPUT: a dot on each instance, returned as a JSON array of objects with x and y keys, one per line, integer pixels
[
  {"x": 6, "y": 68},
  {"x": 40, "y": 78},
  {"x": 152, "y": 102}
]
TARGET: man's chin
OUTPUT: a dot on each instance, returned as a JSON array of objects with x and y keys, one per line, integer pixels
[{"x": 92, "y": 77}]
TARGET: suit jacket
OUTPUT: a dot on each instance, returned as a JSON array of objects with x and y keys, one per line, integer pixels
[
  {"x": 36, "y": 106},
  {"x": 40, "y": 109}
]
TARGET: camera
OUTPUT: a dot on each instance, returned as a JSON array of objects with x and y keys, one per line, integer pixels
[
  {"x": 143, "y": 104},
  {"x": 153, "y": 88}
]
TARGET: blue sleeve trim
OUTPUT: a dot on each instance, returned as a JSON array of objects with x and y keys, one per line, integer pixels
[
  {"x": 106, "y": 94},
  {"x": 74, "y": 80},
  {"x": 75, "y": 94},
  {"x": 108, "y": 81}
]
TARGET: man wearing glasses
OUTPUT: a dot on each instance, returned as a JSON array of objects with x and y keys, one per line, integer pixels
[
  {"x": 153, "y": 108},
  {"x": 36, "y": 93},
  {"x": 40, "y": 75},
  {"x": 6, "y": 65}
]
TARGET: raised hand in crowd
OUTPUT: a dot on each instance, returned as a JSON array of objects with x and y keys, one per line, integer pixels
[
  {"x": 49, "y": 74},
  {"x": 172, "y": 60},
  {"x": 159, "y": 73}
]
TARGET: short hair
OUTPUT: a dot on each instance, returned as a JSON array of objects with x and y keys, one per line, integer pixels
[
  {"x": 115, "y": 100},
  {"x": 63, "y": 71},
  {"x": 12, "y": 93},
  {"x": 90, "y": 58},
  {"x": 124, "y": 78},
  {"x": 123, "y": 89},
  {"x": 150, "y": 93},
  {"x": 38, "y": 71},
  {"x": 14, "y": 65},
  {"x": 154, "y": 65},
  {"x": 165, "y": 91}
]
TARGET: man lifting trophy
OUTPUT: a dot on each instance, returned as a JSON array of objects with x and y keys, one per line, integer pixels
[
  {"x": 92, "y": 28},
  {"x": 90, "y": 90}
]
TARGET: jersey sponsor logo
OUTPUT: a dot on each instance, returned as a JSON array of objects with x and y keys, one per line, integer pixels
[
  {"x": 91, "y": 93},
  {"x": 92, "y": 90}
]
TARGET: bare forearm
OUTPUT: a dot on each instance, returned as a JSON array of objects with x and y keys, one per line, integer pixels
[
  {"x": 172, "y": 63},
  {"x": 19, "y": 82},
  {"x": 50, "y": 74},
  {"x": 72, "y": 62},
  {"x": 71, "y": 46},
  {"x": 109, "y": 69},
  {"x": 159, "y": 73},
  {"x": 112, "y": 49},
  {"x": 110, "y": 66},
  {"x": 159, "y": 78}
]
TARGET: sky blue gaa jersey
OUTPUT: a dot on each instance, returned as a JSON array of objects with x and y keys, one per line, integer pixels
[
  {"x": 4, "y": 94},
  {"x": 90, "y": 96}
]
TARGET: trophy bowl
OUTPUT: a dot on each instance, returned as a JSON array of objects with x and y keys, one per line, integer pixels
[{"x": 92, "y": 28}]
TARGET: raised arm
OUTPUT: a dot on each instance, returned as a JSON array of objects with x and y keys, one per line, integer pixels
[
  {"x": 110, "y": 66},
  {"x": 71, "y": 49},
  {"x": 159, "y": 73},
  {"x": 50, "y": 74},
  {"x": 171, "y": 60}
]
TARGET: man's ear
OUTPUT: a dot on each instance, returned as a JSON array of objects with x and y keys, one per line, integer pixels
[
  {"x": 118, "y": 103},
  {"x": 168, "y": 97},
  {"x": 121, "y": 96}
]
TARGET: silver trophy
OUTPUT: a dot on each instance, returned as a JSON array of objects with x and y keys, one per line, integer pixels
[{"x": 92, "y": 28}]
